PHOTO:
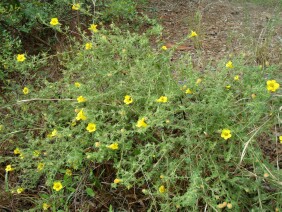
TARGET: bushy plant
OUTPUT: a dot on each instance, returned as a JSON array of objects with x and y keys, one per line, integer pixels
[
  {"x": 26, "y": 29},
  {"x": 10, "y": 46},
  {"x": 125, "y": 119},
  {"x": 122, "y": 9}
]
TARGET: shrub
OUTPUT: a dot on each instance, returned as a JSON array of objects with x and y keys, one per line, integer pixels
[
  {"x": 124, "y": 118},
  {"x": 9, "y": 47},
  {"x": 25, "y": 25},
  {"x": 125, "y": 9}
]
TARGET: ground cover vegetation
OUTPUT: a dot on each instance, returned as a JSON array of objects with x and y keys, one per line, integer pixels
[{"x": 119, "y": 125}]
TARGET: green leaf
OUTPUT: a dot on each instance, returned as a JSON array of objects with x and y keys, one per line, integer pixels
[
  {"x": 90, "y": 192},
  {"x": 111, "y": 208},
  {"x": 71, "y": 189},
  {"x": 44, "y": 196}
]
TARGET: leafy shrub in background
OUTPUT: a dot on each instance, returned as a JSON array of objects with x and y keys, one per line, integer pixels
[
  {"x": 27, "y": 16},
  {"x": 9, "y": 47},
  {"x": 25, "y": 28},
  {"x": 125, "y": 9},
  {"x": 124, "y": 118},
  {"x": 12, "y": 73},
  {"x": 21, "y": 26}
]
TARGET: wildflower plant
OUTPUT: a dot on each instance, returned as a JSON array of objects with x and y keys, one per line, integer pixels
[{"x": 118, "y": 118}]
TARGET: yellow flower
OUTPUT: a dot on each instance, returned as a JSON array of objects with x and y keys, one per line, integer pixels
[
  {"x": 54, "y": 133},
  {"x": 77, "y": 84},
  {"x": 104, "y": 38},
  {"x": 229, "y": 64},
  {"x": 21, "y": 58},
  {"x": 81, "y": 99},
  {"x": 162, "y": 189},
  {"x": 162, "y": 99},
  {"x": 116, "y": 181},
  {"x": 68, "y": 172},
  {"x": 54, "y": 21},
  {"x": 45, "y": 206},
  {"x": 226, "y": 134},
  {"x": 222, "y": 205},
  {"x": 198, "y": 81},
  {"x": 189, "y": 91},
  {"x": 25, "y": 90},
  {"x": 97, "y": 144},
  {"x": 57, "y": 186},
  {"x": 228, "y": 87},
  {"x": 260, "y": 66},
  {"x": 113, "y": 146},
  {"x": 93, "y": 28},
  {"x": 183, "y": 88},
  {"x": 9, "y": 168},
  {"x": 81, "y": 116},
  {"x": 144, "y": 191},
  {"x": 36, "y": 153},
  {"x": 91, "y": 127},
  {"x": 122, "y": 112},
  {"x": 272, "y": 85},
  {"x": 164, "y": 48},
  {"x": 229, "y": 206},
  {"x": 88, "y": 46},
  {"x": 17, "y": 151},
  {"x": 265, "y": 175},
  {"x": 141, "y": 123},
  {"x": 21, "y": 156},
  {"x": 280, "y": 139},
  {"x": 128, "y": 99},
  {"x": 20, "y": 190},
  {"x": 161, "y": 176},
  {"x": 40, "y": 166},
  {"x": 75, "y": 6},
  {"x": 253, "y": 96},
  {"x": 193, "y": 34},
  {"x": 237, "y": 78}
]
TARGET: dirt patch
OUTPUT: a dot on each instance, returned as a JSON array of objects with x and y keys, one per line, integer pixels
[
  {"x": 224, "y": 28},
  {"x": 271, "y": 147}
]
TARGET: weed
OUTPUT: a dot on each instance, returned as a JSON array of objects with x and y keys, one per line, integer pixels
[{"x": 120, "y": 123}]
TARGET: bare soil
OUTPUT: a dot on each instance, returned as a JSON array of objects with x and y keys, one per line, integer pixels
[{"x": 224, "y": 27}]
